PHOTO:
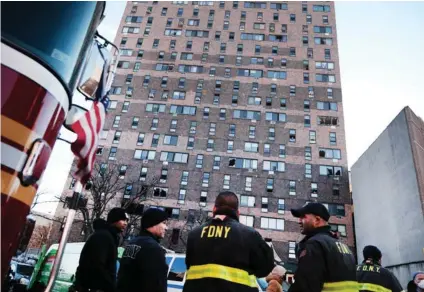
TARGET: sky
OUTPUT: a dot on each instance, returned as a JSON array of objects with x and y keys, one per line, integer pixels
[{"x": 381, "y": 63}]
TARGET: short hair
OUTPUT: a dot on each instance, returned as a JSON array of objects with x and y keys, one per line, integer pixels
[{"x": 227, "y": 200}]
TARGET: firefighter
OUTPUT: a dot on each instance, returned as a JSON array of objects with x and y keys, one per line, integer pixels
[
  {"x": 324, "y": 263},
  {"x": 372, "y": 276},
  {"x": 225, "y": 255}
]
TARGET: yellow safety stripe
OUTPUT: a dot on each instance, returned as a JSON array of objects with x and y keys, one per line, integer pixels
[
  {"x": 342, "y": 286},
  {"x": 221, "y": 272},
  {"x": 373, "y": 287}
]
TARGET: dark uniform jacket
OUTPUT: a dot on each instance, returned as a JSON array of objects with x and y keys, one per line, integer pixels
[
  {"x": 143, "y": 266},
  {"x": 324, "y": 264},
  {"x": 97, "y": 263},
  {"x": 373, "y": 277},
  {"x": 226, "y": 256}
]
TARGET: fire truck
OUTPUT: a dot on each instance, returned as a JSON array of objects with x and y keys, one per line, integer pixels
[{"x": 50, "y": 52}]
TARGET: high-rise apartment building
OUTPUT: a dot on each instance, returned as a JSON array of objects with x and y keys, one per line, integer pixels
[{"x": 229, "y": 95}]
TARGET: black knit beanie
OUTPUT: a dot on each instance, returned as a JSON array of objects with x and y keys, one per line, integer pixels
[
  {"x": 116, "y": 214},
  {"x": 152, "y": 217}
]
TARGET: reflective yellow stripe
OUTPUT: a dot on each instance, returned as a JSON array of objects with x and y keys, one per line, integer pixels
[
  {"x": 221, "y": 272},
  {"x": 373, "y": 287},
  {"x": 342, "y": 286}
]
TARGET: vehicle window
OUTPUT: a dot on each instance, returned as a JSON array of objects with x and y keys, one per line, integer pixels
[
  {"x": 25, "y": 270},
  {"x": 168, "y": 260},
  {"x": 178, "y": 270}
]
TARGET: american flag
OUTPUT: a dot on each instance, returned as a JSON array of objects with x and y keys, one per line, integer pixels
[{"x": 88, "y": 129}]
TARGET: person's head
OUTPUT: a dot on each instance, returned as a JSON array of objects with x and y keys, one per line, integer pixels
[
  {"x": 311, "y": 216},
  {"x": 118, "y": 219},
  {"x": 154, "y": 221},
  {"x": 226, "y": 202},
  {"x": 372, "y": 253},
  {"x": 99, "y": 223},
  {"x": 418, "y": 278}
]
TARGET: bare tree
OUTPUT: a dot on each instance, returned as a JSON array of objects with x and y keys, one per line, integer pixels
[{"x": 39, "y": 236}]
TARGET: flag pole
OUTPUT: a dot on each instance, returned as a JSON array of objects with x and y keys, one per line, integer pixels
[{"x": 73, "y": 206}]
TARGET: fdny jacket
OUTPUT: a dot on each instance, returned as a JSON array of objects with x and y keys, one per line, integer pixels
[
  {"x": 224, "y": 255},
  {"x": 373, "y": 277},
  {"x": 324, "y": 264}
]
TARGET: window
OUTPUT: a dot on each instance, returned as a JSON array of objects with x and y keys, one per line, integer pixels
[
  {"x": 283, "y": 103},
  {"x": 314, "y": 190},
  {"x": 216, "y": 162},
  {"x": 257, "y": 60},
  {"x": 292, "y": 135},
  {"x": 227, "y": 14},
  {"x": 226, "y": 24},
  {"x": 212, "y": 129},
  {"x": 128, "y": 29},
  {"x": 328, "y": 121},
  {"x": 137, "y": 66},
  {"x": 199, "y": 161},
  {"x": 186, "y": 56},
  {"x": 210, "y": 145},
  {"x": 330, "y": 170},
  {"x": 304, "y": 8},
  {"x": 146, "y": 80},
  {"x": 292, "y": 18},
  {"x": 308, "y": 153},
  {"x": 206, "y": 113},
  {"x": 282, "y": 151},
  {"x": 170, "y": 140},
  {"x": 99, "y": 150},
  {"x": 144, "y": 154},
  {"x": 193, "y": 126},
  {"x": 323, "y": 29},
  {"x": 273, "y": 88},
  {"x": 163, "y": 175},
  {"x": 275, "y": 16},
  {"x": 255, "y": 87},
  {"x": 154, "y": 125},
  {"x": 181, "y": 196},
  {"x": 222, "y": 114},
  {"x": 307, "y": 121},
  {"x": 312, "y": 137},
  {"x": 327, "y": 54},
  {"x": 140, "y": 54},
  {"x": 268, "y": 101},
  {"x": 276, "y": 74},
  {"x": 190, "y": 143},
  {"x": 212, "y": 71},
  {"x": 143, "y": 173},
  {"x": 155, "y": 108},
  {"x": 250, "y": 73},
  {"x": 175, "y": 214},
  {"x": 176, "y": 157},
  {"x": 274, "y": 166},
  {"x": 234, "y": 100},
  {"x": 251, "y": 147},
  {"x": 321, "y": 8},
  {"x": 339, "y": 228},
  {"x": 104, "y": 134},
  {"x": 117, "y": 137},
  {"x": 115, "y": 90},
  {"x": 125, "y": 106},
  {"x": 243, "y": 163},
  {"x": 230, "y": 146},
  {"x": 155, "y": 43},
  {"x": 306, "y": 78},
  {"x": 113, "y": 104},
  {"x": 279, "y": 6},
  {"x": 277, "y": 38},
  {"x": 325, "y": 19},
  {"x": 327, "y": 105},
  {"x": 227, "y": 73},
  {"x": 252, "y": 132},
  {"x": 324, "y": 65},
  {"x": 330, "y": 93},
  {"x": 271, "y": 134},
  {"x": 146, "y": 31},
  {"x": 292, "y": 250},
  {"x": 264, "y": 204},
  {"x": 205, "y": 179},
  {"x": 248, "y": 183},
  {"x": 270, "y": 185},
  {"x": 123, "y": 64},
  {"x": 272, "y": 223},
  {"x": 292, "y": 187},
  {"x": 112, "y": 153},
  {"x": 258, "y": 25},
  {"x": 189, "y": 45},
  {"x": 247, "y": 220},
  {"x": 128, "y": 191},
  {"x": 275, "y": 117},
  {"x": 308, "y": 170},
  {"x": 227, "y": 179},
  {"x": 330, "y": 153},
  {"x": 129, "y": 78},
  {"x": 196, "y": 12},
  {"x": 292, "y": 52},
  {"x": 221, "y": 4},
  {"x": 306, "y": 105},
  {"x": 323, "y": 41},
  {"x": 183, "y": 110},
  {"x": 126, "y": 52},
  {"x": 247, "y": 201},
  {"x": 193, "y": 22},
  {"x": 203, "y": 198},
  {"x": 336, "y": 190},
  {"x": 184, "y": 178},
  {"x": 197, "y": 33},
  {"x": 180, "y": 12},
  {"x": 123, "y": 42},
  {"x": 333, "y": 139},
  {"x": 231, "y": 36},
  {"x": 179, "y": 94},
  {"x": 292, "y": 90},
  {"x": 140, "y": 139},
  {"x": 116, "y": 121},
  {"x": 190, "y": 69},
  {"x": 247, "y": 115}
]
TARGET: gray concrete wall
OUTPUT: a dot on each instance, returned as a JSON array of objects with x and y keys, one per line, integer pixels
[{"x": 387, "y": 203}]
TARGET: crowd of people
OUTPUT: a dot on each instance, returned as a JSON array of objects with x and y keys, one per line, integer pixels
[{"x": 224, "y": 255}]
